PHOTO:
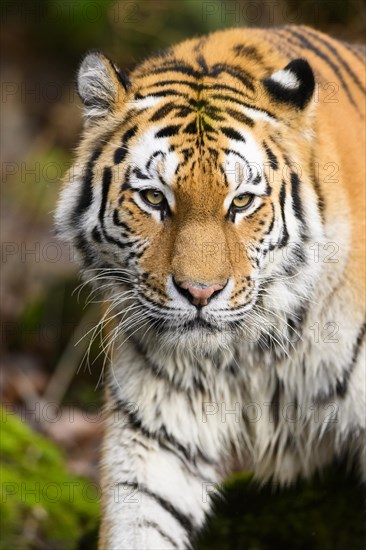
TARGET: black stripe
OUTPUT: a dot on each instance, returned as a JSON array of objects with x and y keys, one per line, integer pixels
[
  {"x": 168, "y": 131},
  {"x": 240, "y": 117},
  {"x": 86, "y": 194},
  {"x": 316, "y": 186},
  {"x": 96, "y": 235},
  {"x": 229, "y": 98},
  {"x": 183, "y": 111},
  {"x": 268, "y": 190},
  {"x": 155, "y": 154},
  {"x": 175, "y": 68},
  {"x": 163, "y": 111},
  {"x": 297, "y": 320},
  {"x": 185, "y": 521},
  {"x": 163, "y": 93},
  {"x": 275, "y": 403},
  {"x": 287, "y": 51},
  {"x": 124, "y": 80},
  {"x": 285, "y": 235},
  {"x": 213, "y": 112},
  {"x": 153, "y": 525},
  {"x": 119, "y": 154},
  {"x": 140, "y": 175},
  {"x": 129, "y": 134},
  {"x": 310, "y": 46},
  {"x": 162, "y": 180},
  {"x": 342, "y": 385},
  {"x": 163, "y": 83},
  {"x": 271, "y": 156},
  {"x": 170, "y": 444},
  {"x": 231, "y": 152},
  {"x": 161, "y": 435},
  {"x": 248, "y": 51},
  {"x": 223, "y": 173},
  {"x": 118, "y": 222},
  {"x": 187, "y": 154},
  {"x": 297, "y": 254},
  {"x": 118, "y": 243},
  {"x": 339, "y": 58},
  {"x": 142, "y": 212},
  {"x": 203, "y": 64},
  {"x": 127, "y": 180},
  {"x": 191, "y": 128},
  {"x": 296, "y": 199},
  {"x": 236, "y": 72},
  {"x": 226, "y": 87},
  {"x": 83, "y": 245},
  {"x": 204, "y": 126},
  {"x": 107, "y": 178},
  {"x": 214, "y": 153},
  {"x": 272, "y": 220},
  {"x": 232, "y": 134}
]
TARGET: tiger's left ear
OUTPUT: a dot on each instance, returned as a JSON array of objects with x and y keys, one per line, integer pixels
[
  {"x": 101, "y": 86},
  {"x": 293, "y": 85}
]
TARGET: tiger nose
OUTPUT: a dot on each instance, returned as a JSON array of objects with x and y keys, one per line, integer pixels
[{"x": 198, "y": 294}]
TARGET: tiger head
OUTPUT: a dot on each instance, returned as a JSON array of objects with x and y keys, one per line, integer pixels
[{"x": 191, "y": 202}]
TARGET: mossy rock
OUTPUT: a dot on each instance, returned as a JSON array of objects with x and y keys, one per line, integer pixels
[
  {"x": 42, "y": 504},
  {"x": 327, "y": 513}
]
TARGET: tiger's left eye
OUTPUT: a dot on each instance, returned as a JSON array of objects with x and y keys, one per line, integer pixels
[
  {"x": 243, "y": 201},
  {"x": 153, "y": 197}
]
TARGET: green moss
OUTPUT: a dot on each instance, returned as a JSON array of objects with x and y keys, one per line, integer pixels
[
  {"x": 40, "y": 499},
  {"x": 324, "y": 514}
]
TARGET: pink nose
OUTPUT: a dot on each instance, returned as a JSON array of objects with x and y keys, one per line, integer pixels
[{"x": 201, "y": 295}]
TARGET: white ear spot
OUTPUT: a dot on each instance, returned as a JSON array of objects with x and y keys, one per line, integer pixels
[
  {"x": 286, "y": 78},
  {"x": 97, "y": 85}
]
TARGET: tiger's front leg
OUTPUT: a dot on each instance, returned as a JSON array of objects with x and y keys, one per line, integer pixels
[{"x": 155, "y": 496}]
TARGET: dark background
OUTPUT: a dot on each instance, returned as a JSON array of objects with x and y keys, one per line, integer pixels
[{"x": 51, "y": 424}]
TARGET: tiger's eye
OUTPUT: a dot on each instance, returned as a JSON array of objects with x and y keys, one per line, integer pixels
[
  {"x": 153, "y": 196},
  {"x": 242, "y": 201}
]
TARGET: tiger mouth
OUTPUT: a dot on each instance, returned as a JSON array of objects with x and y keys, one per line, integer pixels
[{"x": 199, "y": 323}]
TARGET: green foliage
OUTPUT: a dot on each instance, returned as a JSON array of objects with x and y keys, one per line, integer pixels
[{"x": 40, "y": 499}]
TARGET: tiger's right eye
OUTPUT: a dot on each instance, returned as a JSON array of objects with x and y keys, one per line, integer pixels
[{"x": 153, "y": 197}]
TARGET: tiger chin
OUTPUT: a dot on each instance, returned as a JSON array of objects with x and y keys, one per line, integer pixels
[{"x": 217, "y": 205}]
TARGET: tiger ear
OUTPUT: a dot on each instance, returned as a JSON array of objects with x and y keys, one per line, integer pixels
[
  {"x": 100, "y": 85},
  {"x": 293, "y": 85}
]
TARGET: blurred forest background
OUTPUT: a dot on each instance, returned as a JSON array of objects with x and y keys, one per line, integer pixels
[{"x": 51, "y": 421}]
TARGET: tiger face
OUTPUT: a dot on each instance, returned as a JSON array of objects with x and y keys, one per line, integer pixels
[{"x": 189, "y": 204}]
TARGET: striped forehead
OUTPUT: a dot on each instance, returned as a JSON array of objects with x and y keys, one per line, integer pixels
[
  {"x": 168, "y": 149},
  {"x": 154, "y": 162},
  {"x": 152, "y": 158}
]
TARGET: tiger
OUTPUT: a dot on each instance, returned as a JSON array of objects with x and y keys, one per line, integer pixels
[{"x": 216, "y": 204}]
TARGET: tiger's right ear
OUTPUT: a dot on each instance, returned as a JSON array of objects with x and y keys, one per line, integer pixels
[
  {"x": 293, "y": 85},
  {"x": 100, "y": 85}
]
